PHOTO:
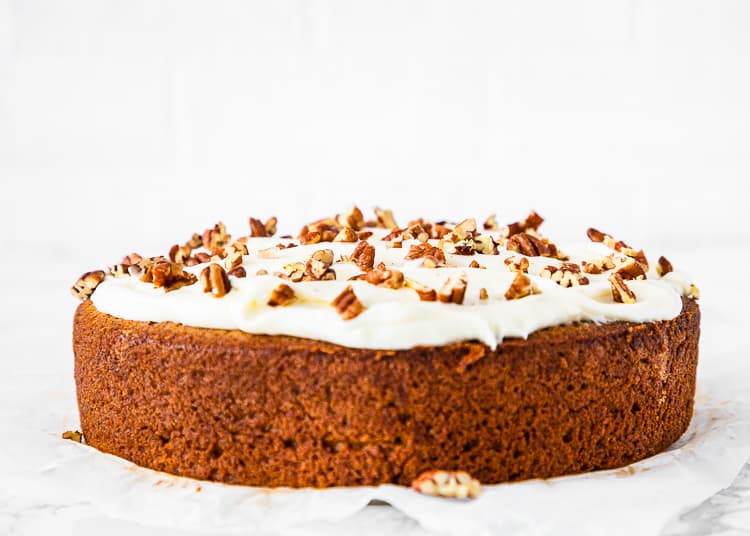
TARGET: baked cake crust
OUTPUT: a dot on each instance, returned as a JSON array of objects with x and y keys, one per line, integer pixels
[{"x": 264, "y": 410}]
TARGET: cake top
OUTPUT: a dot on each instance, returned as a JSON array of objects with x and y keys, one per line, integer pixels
[{"x": 375, "y": 284}]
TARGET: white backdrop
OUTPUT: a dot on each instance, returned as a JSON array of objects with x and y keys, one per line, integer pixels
[{"x": 131, "y": 117}]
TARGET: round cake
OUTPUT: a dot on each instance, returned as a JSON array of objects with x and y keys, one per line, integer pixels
[{"x": 364, "y": 352}]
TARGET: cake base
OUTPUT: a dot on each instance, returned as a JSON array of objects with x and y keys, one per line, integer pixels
[{"x": 264, "y": 410}]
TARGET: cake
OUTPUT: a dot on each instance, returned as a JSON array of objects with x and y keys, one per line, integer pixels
[{"x": 364, "y": 352}]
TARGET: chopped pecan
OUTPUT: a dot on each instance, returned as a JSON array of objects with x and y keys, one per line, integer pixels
[
  {"x": 526, "y": 244},
  {"x": 294, "y": 271},
  {"x": 346, "y": 234},
  {"x": 238, "y": 272},
  {"x": 531, "y": 223},
  {"x": 517, "y": 264},
  {"x": 167, "y": 275},
  {"x": 384, "y": 277},
  {"x": 663, "y": 267},
  {"x": 118, "y": 270},
  {"x": 431, "y": 256},
  {"x": 347, "y": 304},
  {"x": 398, "y": 244},
  {"x": 202, "y": 257},
  {"x": 260, "y": 229},
  {"x": 364, "y": 256},
  {"x": 131, "y": 259},
  {"x": 281, "y": 295},
  {"x": 352, "y": 219},
  {"x": 520, "y": 287},
  {"x": 620, "y": 291},
  {"x": 464, "y": 230},
  {"x": 462, "y": 247},
  {"x": 631, "y": 269},
  {"x": 567, "y": 275},
  {"x": 453, "y": 289},
  {"x": 416, "y": 232},
  {"x": 310, "y": 237},
  {"x": 394, "y": 234},
  {"x": 86, "y": 284},
  {"x": 216, "y": 236},
  {"x": 364, "y": 235},
  {"x": 318, "y": 267},
  {"x": 483, "y": 294},
  {"x": 215, "y": 280},
  {"x": 424, "y": 292},
  {"x": 262, "y": 271},
  {"x": 238, "y": 246},
  {"x": 179, "y": 254},
  {"x": 490, "y": 224},
  {"x": 233, "y": 260},
  {"x": 485, "y": 244},
  {"x": 597, "y": 266},
  {"x": 385, "y": 218},
  {"x": 73, "y": 435},
  {"x": 475, "y": 264},
  {"x": 450, "y": 484},
  {"x": 595, "y": 235},
  {"x": 195, "y": 241}
]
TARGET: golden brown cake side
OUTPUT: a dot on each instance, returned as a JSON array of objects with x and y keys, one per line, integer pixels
[{"x": 265, "y": 410}]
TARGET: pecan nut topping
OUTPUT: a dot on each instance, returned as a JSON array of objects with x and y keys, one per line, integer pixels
[
  {"x": 663, "y": 267},
  {"x": 450, "y": 484},
  {"x": 517, "y": 264},
  {"x": 621, "y": 293},
  {"x": 424, "y": 292},
  {"x": 385, "y": 277},
  {"x": 347, "y": 304},
  {"x": 566, "y": 275},
  {"x": 346, "y": 234},
  {"x": 431, "y": 256},
  {"x": 364, "y": 256},
  {"x": 454, "y": 289},
  {"x": 520, "y": 287},
  {"x": 86, "y": 284},
  {"x": 385, "y": 218},
  {"x": 167, "y": 275},
  {"x": 281, "y": 295},
  {"x": 260, "y": 229},
  {"x": 352, "y": 219},
  {"x": 215, "y": 237},
  {"x": 215, "y": 280},
  {"x": 532, "y": 223}
]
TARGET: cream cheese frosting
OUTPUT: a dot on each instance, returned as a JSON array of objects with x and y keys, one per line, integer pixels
[{"x": 395, "y": 319}]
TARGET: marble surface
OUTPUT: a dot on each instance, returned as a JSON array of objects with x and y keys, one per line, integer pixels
[{"x": 36, "y": 371}]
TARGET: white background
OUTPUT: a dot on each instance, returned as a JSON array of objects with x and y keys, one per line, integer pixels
[{"x": 129, "y": 125}]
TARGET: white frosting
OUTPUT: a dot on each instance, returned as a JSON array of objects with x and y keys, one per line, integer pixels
[{"x": 394, "y": 319}]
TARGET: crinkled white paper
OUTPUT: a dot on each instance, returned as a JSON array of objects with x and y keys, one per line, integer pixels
[{"x": 643, "y": 496}]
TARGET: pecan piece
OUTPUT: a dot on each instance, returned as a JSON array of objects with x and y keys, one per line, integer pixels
[
  {"x": 215, "y": 237},
  {"x": 352, "y": 219},
  {"x": 431, "y": 256},
  {"x": 318, "y": 266},
  {"x": 384, "y": 277},
  {"x": 464, "y": 230},
  {"x": 281, "y": 295},
  {"x": 179, "y": 254},
  {"x": 631, "y": 269},
  {"x": 453, "y": 289},
  {"x": 424, "y": 292},
  {"x": 416, "y": 232},
  {"x": 347, "y": 304},
  {"x": 526, "y": 244},
  {"x": 346, "y": 234},
  {"x": 520, "y": 287},
  {"x": 485, "y": 244},
  {"x": 294, "y": 271},
  {"x": 86, "y": 284},
  {"x": 167, "y": 275},
  {"x": 73, "y": 435},
  {"x": 663, "y": 267},
  {"x": 595, "y": 235},
  {"x": 238, "y": 272},
  {"x": 483, "y": 294},
  {"x": 620, "y": 291},
  {"x": 385, "y": 218},
  {"x": 517, "y": 264},
  {"x": 195, "y": 241},
  {"x": 475, "y": 264},
  {"x": 451, "y": 484},
  {"x": 531, "y": 223},
  {"x": 215, "y": 280},
  {"x": 567, "y": 275},
  {"x": 364, "y": 256},
  {"x": 260, "y": 229},
  {"x": 490, "y": 224},
  {"x": 118, "y": 270}
]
